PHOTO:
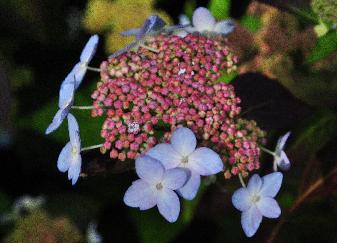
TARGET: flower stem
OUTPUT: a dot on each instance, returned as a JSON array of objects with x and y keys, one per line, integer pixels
[
  {"x": 267, "y": 151},
  {"x": 241, "y": 180},
  {"x": 91, "y": 147},
  {"x": 94, "y": 69},
  {"x": 79, "y": 107},
  {"x": 149, "y": 48}
]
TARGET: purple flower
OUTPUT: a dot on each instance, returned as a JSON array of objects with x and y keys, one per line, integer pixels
[
  {"x": 182, "y": 153},
  {"x": 257, "y": 200},
  {"x": 280, "y": 158},
  {"x": 203, "y": 21},
  {"x": 70, "y": 157},
  {"x": 156, "y": 187}
]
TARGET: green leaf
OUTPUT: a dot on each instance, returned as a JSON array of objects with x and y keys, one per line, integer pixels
[
  {"x": 315, "y": 134},
  {"x": 325, "y": 45},
  {"x": 252, "y": 23},
  {"x": 89, "y": 127},
  {"x": 220, "y": 8},
  {"x": 189, "y": 7},
  {"x": 227, "y": 77}
]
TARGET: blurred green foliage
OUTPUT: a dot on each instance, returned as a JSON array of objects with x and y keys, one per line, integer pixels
[{"x": 220, "y": 8}]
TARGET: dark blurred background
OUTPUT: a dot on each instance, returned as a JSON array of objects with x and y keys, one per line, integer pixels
[{"x": 290, "y": 87}]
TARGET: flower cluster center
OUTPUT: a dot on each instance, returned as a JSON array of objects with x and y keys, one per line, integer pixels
[
  {"x": 159, "y": 186},
  {"x": 184, "y": 160}
]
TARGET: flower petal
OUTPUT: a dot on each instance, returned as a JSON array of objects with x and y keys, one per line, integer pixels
[
  {"x": 74, "y": 132},
  {"x": 283, "y": 163},
  {"x": 281, "y": 143},
  {"x": 190, "y": 189},
  {"x": 183, "y": 141},
  {"x": 254, "y": 184},
  {"x": 269, "y": 207},
  {"x": 175, "y": 178},
  {"x": 89, "y": 49},
  {"x": 57, "y": 120},
  {"x": 240, "y": 199},
  {"x": 205, "y": 162},
  {"x": 166, "y": 155},
  {"x": 271, "y": 184},
  {"x": 78, "y": 72},
  {"x": 66, "y": 96},
  {"x": 140, "y": 194},
  {"x": 250, "y": 221},
  {"x": 203, "y": 20},
  {"x": 131, "y": 32},
  {"x": 224, "y": 27},
  {"x": 168, "y": 205},
  {"x": 75, "y": 168},
  {"x": 149, "y": 169},
  {"x": 184, "y": 20},
  {"x": 63, "y": 161}
]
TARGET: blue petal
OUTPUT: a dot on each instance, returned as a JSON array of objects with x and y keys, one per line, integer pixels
[
  {"x": 57, "y": 120},
  {"x": 175, "y": 178},
  {"x": 271, "y": 184},
  {"x": 254, "y": 184},
  {"x": 140, "y": 194},
  {"x": 190, "y": 189},
  {"x": 74, "y": 132},
  {"x": 75, "y": 168},
  {"x": 63, "y": 162},
  {"x": 66, "y": 96},
  {"x": 89, "y": 49},
  {"x": 268, "y": 207},
  {"x": 131, "y": 32},
  {"x": 149, "y": 169},
  {"x": 205, "y": 162},
  {"x": 240, "y": 199},
  {"x": 224, "y": 27},
  {"x": 250, "y": 221},
  {"x": 168, "y": 205}
]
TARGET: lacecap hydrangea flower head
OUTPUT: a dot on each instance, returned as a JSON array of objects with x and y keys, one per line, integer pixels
[{"x": 165, "y": 108}]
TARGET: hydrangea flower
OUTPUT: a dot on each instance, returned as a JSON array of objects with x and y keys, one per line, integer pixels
[
  {"x": 70, "y": 157},
  {"x": 182, "y": 153},
  {"x": 280, "y": 157},
  {"x": 156, "y": 187},
  {"x": 203, "y": 21},
  {"x": 71, "y": 83},
  {"x": 257, "y": 200}
]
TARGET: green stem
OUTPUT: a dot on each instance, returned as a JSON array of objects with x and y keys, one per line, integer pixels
[
  {"x": 91, "y": 147},
  {"x": 78, "y": 107},
  {"x": 267, "y": 151},
  {"x": 149, "y": 48},
  {"x": 94, "y": 69},
  {"x": 241, "y": 180}
]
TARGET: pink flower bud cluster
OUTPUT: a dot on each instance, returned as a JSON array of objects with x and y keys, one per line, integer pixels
[{"x": 146, "y": 95}]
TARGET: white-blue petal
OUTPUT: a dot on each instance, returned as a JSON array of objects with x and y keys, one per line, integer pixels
[
  {"x": 254, "y": 184},
  {"x": 66, "y": 94},
  {"x": 250, "y": 221},
  {"x": 166, "y": 155},
  {"x": 140, "y": 194},
  {"x": 205, "y": 162},
  {"x": 190, "y": 189},
  {"x": 283, "y": 163},
  {"x": 281, "y": 143},
  {"x": 74, "y": 132},
  {"x": 175, "y": 178},
  {"x": 57, "y": 120},
  {"x": 131, "y": 32},
  {"x": 203, "y": 20},
  {"x": 271, "y": 184},
  {"x": 268, "y": 207},
  {"x": 149, "y": 169},
  {"x": 168, "y": 204},
  {"x": 183, "y": 141},
  {"x": 63, "y": 162},
  {"x": 240, "y": 199},
  {"x": 75, "y": 168},
  {"x": 89, "y": 49},
  {"x": 224, "y": 27}
]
